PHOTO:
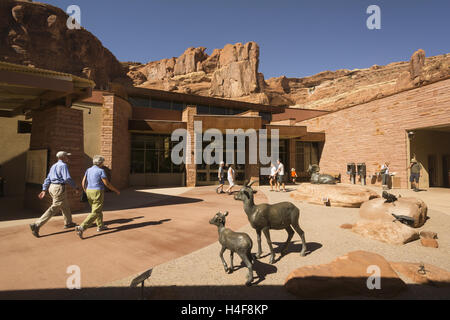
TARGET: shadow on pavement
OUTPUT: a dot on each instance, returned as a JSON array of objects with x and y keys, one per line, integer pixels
[
  {"x": 314, "y": 288},
  {"x": 128, "y": 227}
]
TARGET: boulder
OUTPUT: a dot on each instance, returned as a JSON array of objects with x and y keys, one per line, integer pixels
[
  {"x": 385, "y": 231},
  {"x": 428, "y": 239},
  {"x": 340, "y": 195},
  {"x": 423, "y": 274},
  {"x": 346, "y": 276},
  {"x": 378, "y": 209}
]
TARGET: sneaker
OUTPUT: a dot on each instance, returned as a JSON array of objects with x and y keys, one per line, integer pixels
[
  {"x": 79, "y": 230},
  {"x": 35, "y": 230},
  {"x": 102, "y": 228},
  {"x": 70, "y": 225}
]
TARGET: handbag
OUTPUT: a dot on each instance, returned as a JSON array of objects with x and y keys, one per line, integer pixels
[{"x": 84, "y": 197}]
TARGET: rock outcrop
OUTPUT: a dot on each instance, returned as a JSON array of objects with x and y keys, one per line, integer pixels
[
  {"x": 385, "y": 231},
  {"x": 232, "y": 72},
  {"x": 36, "y": 34},
  {"x": 340, "y": 195},
  {"x": 378, "y": 209},
  {"x": 346, "y": 276}
]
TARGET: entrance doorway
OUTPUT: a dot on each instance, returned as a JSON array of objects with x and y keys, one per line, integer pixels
[{"x": 431, "y": 147}]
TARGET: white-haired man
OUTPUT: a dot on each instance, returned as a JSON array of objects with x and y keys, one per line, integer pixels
[
  {"x": 55, "y": 185},
  {"x": 94, "y": 182}
]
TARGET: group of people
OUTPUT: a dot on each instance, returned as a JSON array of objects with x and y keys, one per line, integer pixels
[
  {"x": 93, "y": 184},
  {"x": 277, "y": 177},
  {"x": 414, "y": 178},
  {"x": 226, "y": 172}
]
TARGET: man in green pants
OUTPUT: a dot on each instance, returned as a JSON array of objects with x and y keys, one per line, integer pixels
[{"x": 94, "y": 182}]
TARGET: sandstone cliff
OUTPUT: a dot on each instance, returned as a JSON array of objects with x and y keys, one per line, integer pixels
[
  {"x": 36, "y": 34},
  {"x": 232, "y": 72}
]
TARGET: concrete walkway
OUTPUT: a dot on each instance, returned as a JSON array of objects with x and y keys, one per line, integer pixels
[
  {"x": 185, "y": 253},
  {"x": 148, "y": 228}
]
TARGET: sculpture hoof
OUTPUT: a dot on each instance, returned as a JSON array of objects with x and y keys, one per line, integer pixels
[
  {"x": 303, "y": 254},
  {"x": 229, "y": 271},
  {"x": 248, "y": 284}
]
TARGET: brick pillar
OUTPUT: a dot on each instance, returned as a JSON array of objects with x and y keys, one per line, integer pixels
[
  {"x": 251, "y": 170},
  {"x": 191, "y": 169},
  {"x": 58, "y": 129},
  {"x": 116, "y": 139}
]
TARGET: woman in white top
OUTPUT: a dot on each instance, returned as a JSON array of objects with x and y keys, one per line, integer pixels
[
  {"x": 231, "y": 176},
  {"x": 273, "y": 176}
]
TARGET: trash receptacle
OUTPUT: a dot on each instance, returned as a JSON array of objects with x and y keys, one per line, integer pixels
[{"x": 362, "y": 172}]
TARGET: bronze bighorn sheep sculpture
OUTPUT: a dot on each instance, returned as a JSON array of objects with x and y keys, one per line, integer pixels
[
  {"x": 235, "y": 242},
  {"x": 264, "y": 217},
  {"x": 317, "y": 178}
]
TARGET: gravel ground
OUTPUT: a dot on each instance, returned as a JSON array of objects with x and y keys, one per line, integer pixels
[{"x": 200, "y": 275}]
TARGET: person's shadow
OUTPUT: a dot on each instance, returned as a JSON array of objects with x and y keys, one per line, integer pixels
[{"x": 129, "y": 227}]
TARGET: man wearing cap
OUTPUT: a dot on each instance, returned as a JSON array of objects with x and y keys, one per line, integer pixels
[{"x": 55, "y": 185}]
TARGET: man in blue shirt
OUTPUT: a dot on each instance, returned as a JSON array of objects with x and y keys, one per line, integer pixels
[{"x": 55, "y": 185}]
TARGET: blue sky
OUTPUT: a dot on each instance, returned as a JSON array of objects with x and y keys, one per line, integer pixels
[{"x": 297, "y": 38}]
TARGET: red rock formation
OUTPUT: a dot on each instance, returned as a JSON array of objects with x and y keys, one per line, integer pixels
[{"x": 36, "y": 34}]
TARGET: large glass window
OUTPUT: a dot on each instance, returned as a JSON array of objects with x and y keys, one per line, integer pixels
[{"x": 151, "y": 153}]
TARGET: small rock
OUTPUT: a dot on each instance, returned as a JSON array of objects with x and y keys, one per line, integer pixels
[
  {"x": 347, "y": 226},
  {"x": 430, "y": 243},
  {"x": 429, "y": 274}
]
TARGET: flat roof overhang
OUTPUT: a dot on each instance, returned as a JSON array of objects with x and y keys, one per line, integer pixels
[
  {"x": 155, "y": 126},
  {"x": 192, "y": 99},
  {"x": 23, "y": 89},
  {"x": 287, "y": 132},
  {"x": 229, "y": 122}
]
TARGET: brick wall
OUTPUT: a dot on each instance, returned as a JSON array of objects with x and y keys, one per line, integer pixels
[
  {"x": 375, "y": 132},
  {"x": 58, "y": 129},
  {"x": 191, "y": 169},
  {"x": 116, "y": 139}
]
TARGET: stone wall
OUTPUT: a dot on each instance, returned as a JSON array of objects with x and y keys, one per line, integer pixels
[
  {"x": 58, "y": 129},
  {"x": 375, "y": 132}
]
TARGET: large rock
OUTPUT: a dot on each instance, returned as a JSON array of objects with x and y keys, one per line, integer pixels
[
  {"x": 340, "y": 195},
  {"x": 386, "y": 231},
  {"x": 346, "y": 276},
  {"x": 36, "y": 34},
  {"x": 378, "y": 209},
  {"x": 423, "y": 274}
]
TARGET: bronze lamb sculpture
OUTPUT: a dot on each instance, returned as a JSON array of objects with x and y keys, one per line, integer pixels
[
  {"x": 264, "y": 217},
  {"x": 317, "y": 178},
  {"x": 235, "y": 242}
]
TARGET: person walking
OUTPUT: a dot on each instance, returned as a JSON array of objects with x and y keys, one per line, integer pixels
[
  {"x": 55, "y": 185},
  {"x": 231, "y": 178},
  {"x": 273, "y": 176},
  {"x": 280, "y": 180},
  {"x": 94, "y": 182},
  {"x": 415, "y": 174},
  {"x": 385, "y": 175},
  {"x": 221, "y": 175}
]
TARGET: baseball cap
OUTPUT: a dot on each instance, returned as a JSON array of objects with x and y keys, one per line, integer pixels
[{"x": 62, "y": 154}]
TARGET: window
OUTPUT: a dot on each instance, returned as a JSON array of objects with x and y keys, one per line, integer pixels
[
  {"x": 23, "y": 126},
  {"x": 161, "y": 104},
  {"x": 152, "y": 154}
]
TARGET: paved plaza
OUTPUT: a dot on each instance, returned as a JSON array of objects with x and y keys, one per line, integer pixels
[{"x": 168, "y": 230}]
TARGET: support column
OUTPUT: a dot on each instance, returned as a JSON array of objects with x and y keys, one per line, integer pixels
[
  {"x": 115, "y": 142},
  {"x": 58, "y": 129},
  {"x": 191, "y": 168}
]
